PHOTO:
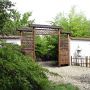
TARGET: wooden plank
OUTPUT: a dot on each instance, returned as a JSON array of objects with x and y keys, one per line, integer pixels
[
  {"x": 59, "y": 48},
  {"x": 64, "y": 50}
]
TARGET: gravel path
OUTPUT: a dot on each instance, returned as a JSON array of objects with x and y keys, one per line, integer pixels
[{"x": 79, "y": 76}]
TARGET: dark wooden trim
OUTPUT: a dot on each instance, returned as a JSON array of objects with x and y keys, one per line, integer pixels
[
  {"x": 24, "y": 30},
  {"x": 9, "y": 37},
  {"x": 44, "y": 26},
  {"x": 63, "y": 32}
]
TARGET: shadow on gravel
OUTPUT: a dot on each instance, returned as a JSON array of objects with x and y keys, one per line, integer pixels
[{"x": 50, "y": 64}]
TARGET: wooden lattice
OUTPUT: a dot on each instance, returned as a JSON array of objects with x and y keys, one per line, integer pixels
[
  {"x": 28, "y": 43},
  {"x": 46, "y": 32}
]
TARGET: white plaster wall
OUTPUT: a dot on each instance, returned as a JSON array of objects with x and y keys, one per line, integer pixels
[
  {"x": 83, "y": 44},
  {"x": 14, "y": 41}
]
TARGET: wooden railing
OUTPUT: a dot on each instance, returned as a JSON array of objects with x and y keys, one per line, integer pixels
[{"x": 81, "y": 61}]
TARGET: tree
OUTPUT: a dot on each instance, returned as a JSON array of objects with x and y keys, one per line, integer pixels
[
  {"x": 74, "y": 22},
  {"x": 16, "y": 21},
  {"x": 10, "y": 19},
  {"x": 5, "y": 9}
]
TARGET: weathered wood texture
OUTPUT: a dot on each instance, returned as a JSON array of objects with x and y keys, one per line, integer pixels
[
  {"x": 46, "y": 32},
  {"x": 63, "y": 50},
  {"x": 27, "y": 42}
]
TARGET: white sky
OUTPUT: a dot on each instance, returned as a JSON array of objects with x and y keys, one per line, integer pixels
[{"x": 44, "y": 11}]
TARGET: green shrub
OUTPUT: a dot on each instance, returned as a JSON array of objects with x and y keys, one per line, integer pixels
[{"x": 18, "y": 72}]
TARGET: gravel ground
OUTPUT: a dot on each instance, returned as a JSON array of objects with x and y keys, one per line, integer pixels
[{"x": 78, "y": 76}]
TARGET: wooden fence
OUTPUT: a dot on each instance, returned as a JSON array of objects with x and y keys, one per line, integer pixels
[{"x": 83, "y": 62}]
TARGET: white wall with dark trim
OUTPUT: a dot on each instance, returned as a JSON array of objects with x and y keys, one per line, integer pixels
[{"x": 12, "y": 39}]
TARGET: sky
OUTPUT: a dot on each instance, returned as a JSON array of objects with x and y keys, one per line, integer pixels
[{"x": 44, "y": 11}]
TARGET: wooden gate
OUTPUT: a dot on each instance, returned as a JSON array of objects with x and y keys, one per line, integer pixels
[
  {"x": 28, "y": 45},
  {"x": 64, "y": 49}
]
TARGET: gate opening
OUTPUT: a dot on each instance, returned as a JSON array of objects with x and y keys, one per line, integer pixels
[{"x": 46, "y": 48}]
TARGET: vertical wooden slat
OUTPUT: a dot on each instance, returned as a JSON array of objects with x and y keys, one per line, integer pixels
[
  {"x": 71, "y": 60},
  {"x": 59, "y": 47},
  {"x": 86, "y": 61},
  {"x": 76, "y": 61},
  {"x": 81, "y": 62}
]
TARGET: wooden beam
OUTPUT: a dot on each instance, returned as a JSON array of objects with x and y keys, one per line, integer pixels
[{"x": 45, "y": 26}]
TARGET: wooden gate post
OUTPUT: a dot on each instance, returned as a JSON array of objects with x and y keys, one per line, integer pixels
[
  {"x": 58, "y": 47},
  {"x": 71, "y": 60},
  {"x": 69, "y": 48},
  {"x": 86, "y": 61}
]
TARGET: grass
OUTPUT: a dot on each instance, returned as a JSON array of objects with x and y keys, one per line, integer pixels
[{"x": 63, "y": 87}]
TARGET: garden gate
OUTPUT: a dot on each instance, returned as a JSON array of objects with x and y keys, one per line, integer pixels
[{"x": 28, "y": 40}]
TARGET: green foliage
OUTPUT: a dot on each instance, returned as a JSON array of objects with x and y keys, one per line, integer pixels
[
  {"x": 47, "y": 47},
  {"x": 5, "y": 9},
  {"x": 18, "y": 72},
  {"x": 41, "y": 46},
  {"x": 17, "y": 21},
  {"x": 63, "y": 87},
  {"x": 10, "y": 19},
  {"x": 74, "y": 22}
]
